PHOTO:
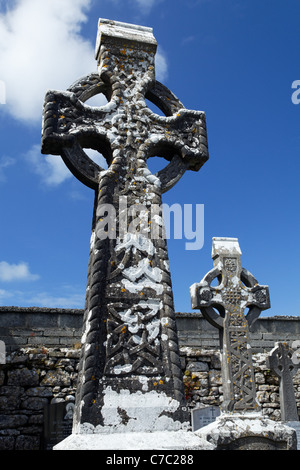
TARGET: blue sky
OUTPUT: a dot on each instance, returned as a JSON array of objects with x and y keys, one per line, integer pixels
[{"x": 234, "y": 59}]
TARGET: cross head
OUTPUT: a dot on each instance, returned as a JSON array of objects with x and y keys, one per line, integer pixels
[
  {"x": 224, "y": 307},
  {"x": 125, "y": 130},
  {"x": 129, "y": 336}
]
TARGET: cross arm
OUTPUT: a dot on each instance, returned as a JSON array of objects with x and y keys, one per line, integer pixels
[
  {"x": 205, "y": 297},
  {"x": 66, "y": 118},
  {"x": 63, "y": 134},
  {"x": 183, "y": 133},
  {"x": 53, "y": 138},
  {"x": 180, "y": 138},
  {"x": 260, "y": 298}
]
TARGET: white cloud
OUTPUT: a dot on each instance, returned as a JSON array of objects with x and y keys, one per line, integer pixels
[
  {"x": 5, "y": 162},
  {"x": 51, "y": 168},
  {"x": 145, "y": 5},
  {"x": 66, "y": 298},
  {"x": 41, "y": 48},
  {"x": 16, "y": 272},
  {"x": 187, "y": 40},
  {"x": 44, "y": 299},
  {"x": 4, "y": 294},
  {"x": 161, "y": 65}
]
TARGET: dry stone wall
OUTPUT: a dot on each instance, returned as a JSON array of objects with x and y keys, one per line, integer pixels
[
  {"x": 42, "y": 356},
  {"x": 203, "y": 381},
  {"x": 31, "y": 379}
]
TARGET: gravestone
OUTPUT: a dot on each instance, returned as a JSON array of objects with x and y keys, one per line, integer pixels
[
  {"x": 296, "y": 426},
  {"x": 240, "y": 425},
  {"x": 282, "y": 361},
  {"x": 58, "y": 422},
  {"x": 130, "y": 378},
  {"x": 203, "y": 416},
  {"x": 2, "y": 352}
]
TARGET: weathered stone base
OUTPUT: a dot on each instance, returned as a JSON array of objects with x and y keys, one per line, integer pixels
[
  {"x": 248, "y": 431},
  {"x": 127, "y": 411},
  {"x": 162, "y": 440}
]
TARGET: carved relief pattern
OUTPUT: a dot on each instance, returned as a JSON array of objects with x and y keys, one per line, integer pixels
[
  {"x": 243, "y": 393},
  {"x": 231, "y": 296},
  {"x": 230, "y": 265},
  {"x": 133, "y": 339},
  {"x": 236, "y": 340},
  {"x": 134, "y": 325}
]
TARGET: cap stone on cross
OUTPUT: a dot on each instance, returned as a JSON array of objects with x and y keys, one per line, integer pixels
[
  {"x": 124, "y": 32},
  {"x": 224, "y": 246}
]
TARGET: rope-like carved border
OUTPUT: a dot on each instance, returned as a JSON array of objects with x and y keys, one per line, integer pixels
[{"x": 92, "y": 353}]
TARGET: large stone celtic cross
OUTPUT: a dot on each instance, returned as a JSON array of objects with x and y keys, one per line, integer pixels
[
  {"x": 237, "y": 290},
  {"x": 129, "y": 359}
]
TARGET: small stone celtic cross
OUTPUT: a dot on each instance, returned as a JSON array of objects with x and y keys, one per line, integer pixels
[
  {"x": 129, "y": 334},
  {"x": 282, "y": 361},
  {"x": 237, "y": 290}
]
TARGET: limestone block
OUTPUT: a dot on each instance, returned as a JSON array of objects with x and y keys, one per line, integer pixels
[{"x": 23, "y": 377}]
